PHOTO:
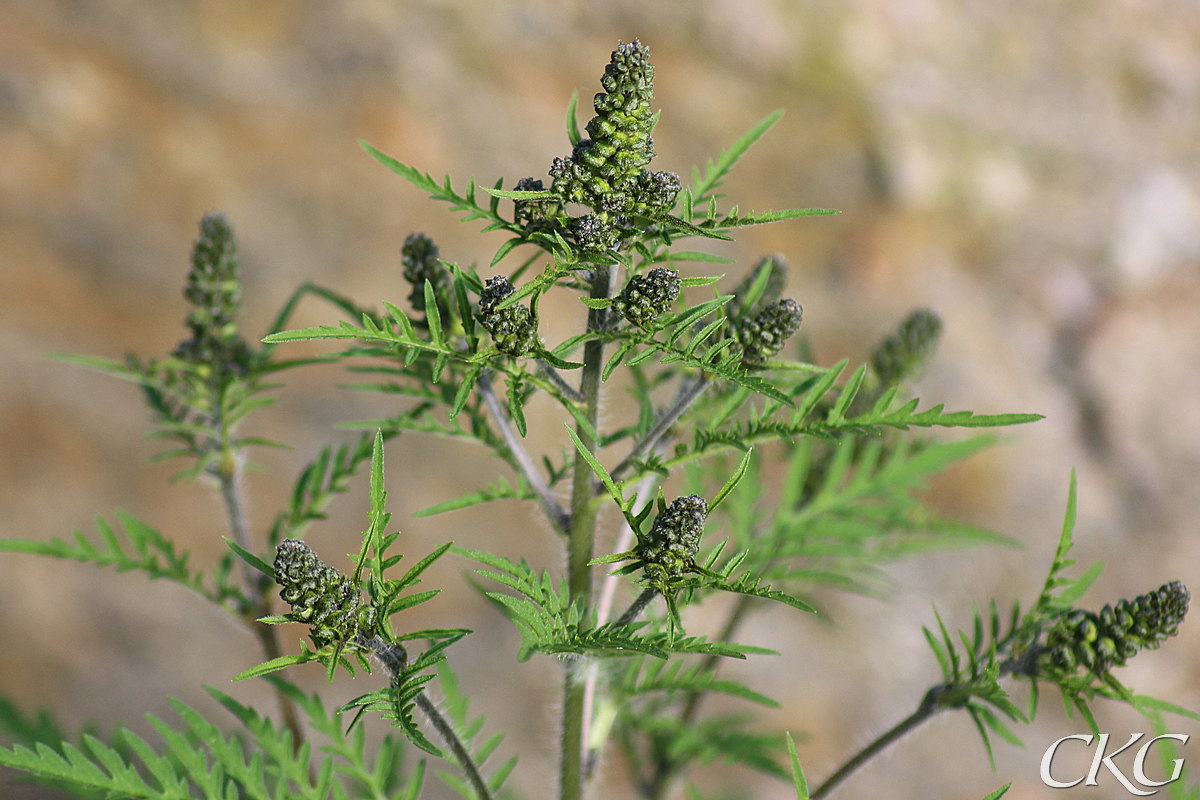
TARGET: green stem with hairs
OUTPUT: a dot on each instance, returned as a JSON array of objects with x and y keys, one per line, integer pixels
[
  {"x": 637, "y": 606},
  {"x": 228, "y": 474},
  {"x": 394, "y": 658},
  {"x": 929, "y": 706},
  {"x": 549, "y": 503},
  {"x": 581, "y": 542},
  {"x": 942, "y": 696}
]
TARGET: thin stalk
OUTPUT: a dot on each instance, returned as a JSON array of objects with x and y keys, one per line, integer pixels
[
  {"x": 229, "y": 479},
  {"x": 929, "y": 706},
  {"x": 394, "y": 659},
  {"x": 456, "y": 746},
  {"x": 546, "y": 499},
  {"x": 946, "y": 695},
  {"x": 581, "y": 541},
  {"x": 568, "y": 391},
  {"x": 637, "y": 606},
  {"x": 689, "y": 390}
]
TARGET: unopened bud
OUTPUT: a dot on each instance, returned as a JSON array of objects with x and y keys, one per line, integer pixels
[{"x": 512, "y": 327}]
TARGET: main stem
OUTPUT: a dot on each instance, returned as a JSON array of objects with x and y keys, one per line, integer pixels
[{"x": 581, "y": 541}]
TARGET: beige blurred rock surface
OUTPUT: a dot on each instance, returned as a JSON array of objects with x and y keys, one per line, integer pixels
[{"x": 1030, "y": 170}]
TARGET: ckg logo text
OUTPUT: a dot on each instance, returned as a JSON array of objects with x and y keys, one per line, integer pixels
[{"x": 1106, "y": 760}]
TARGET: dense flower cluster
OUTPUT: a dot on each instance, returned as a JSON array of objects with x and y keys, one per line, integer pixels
[
  {"x": 215, "y": 347},
  {"x": 899, "y": 355},
  {"x": 764, "y": 334},
  {"x": 319, "y": 595},
  {"x": 594, "y": 233},
  {"x": 419, "y": 255},
  {"x": 1098, "y": 642},
  {"x": 607, "y": 171},
  {"x": 669, "y": 550},
  {"x": 512, "y": 328},
  {"x": 646, "y": 297}
]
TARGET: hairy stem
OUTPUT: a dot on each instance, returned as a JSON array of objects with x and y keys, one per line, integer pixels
[
  {"x": 546, "y": 499},
  {"x": 581, "y": 542},
  {"x": 568, "y": 391},
  {"x": 257, "y": 593},
  {"x": 456, "y": 746},
  {"x": 946, "y": 695},
  {"x": 689, "y": 390},
  {"x": 228, "y": 477},
  {"x": 929, "y": 706},
  {"x": 394, "y": 659},
  {"x": 637, "y": 606}
]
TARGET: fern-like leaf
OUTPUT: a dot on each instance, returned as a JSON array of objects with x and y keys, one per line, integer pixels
[
  {"x": 198, "y": 762},
  {"x": 142, "y": 548},
  {"x": 445, "y": 192},
  {"x": 716, "y": 170},
  {"x": 549, "y": 623}
]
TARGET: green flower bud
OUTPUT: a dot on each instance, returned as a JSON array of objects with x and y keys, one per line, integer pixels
[
  {"x": 607, "y": 171},
  {"x": 744, "y": 304},
  {"x": 512, "y": 328},
  {"x": 900, "y": 354},
  {"x": 570, "y": 179},
  {"x": 1087, "y": 630},
  {"x": 1106, "y": 650},
  {"x": 1062, "y": 659},
  {"x": 1150, "y": 619},
  {"x": 669, "y": 550},
  {"x": 319, "y": 595},
  {"x": 595, "y": 234},
  {"x": 1109, "y": 639},
  {"x": 646, "y": 297},
  {"x": 1086, "y": 654},
  {"x": 765, "y": 334},
  {"x": 214, "y": 291},
  {"x": 419, "y": 255},
  {"x": 656, "y": 192}
]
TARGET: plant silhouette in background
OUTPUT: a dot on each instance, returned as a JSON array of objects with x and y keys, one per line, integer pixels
[{"x": 698, "y": 515}]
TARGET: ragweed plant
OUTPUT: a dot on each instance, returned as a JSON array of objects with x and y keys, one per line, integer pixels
[{"x": 607, "y": 229}]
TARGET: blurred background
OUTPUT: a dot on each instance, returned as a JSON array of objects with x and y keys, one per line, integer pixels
[{"x": 1030, "y": 170}]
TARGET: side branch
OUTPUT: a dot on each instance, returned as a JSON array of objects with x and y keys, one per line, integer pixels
[
  {"x": 689, "y": 390},
  {"x": 929, "y": 706},
  {"x": 228, "y": 477},
  {"x": 550, "y": 506},
  {"x": 637, "y": 606},
  {"x": 394, "y": 659},
  {"x": 569, "y": 391}
]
